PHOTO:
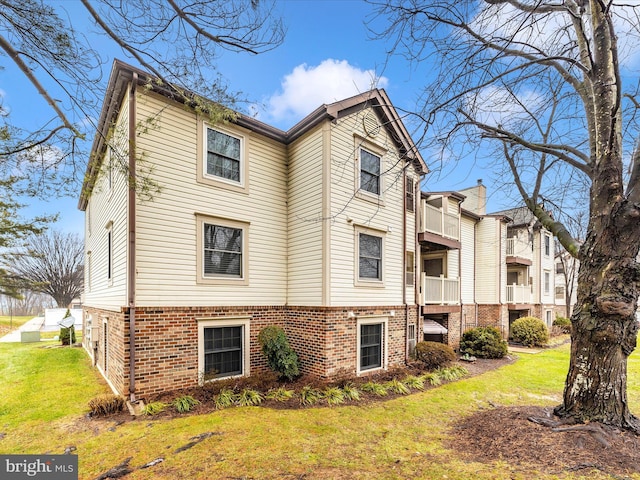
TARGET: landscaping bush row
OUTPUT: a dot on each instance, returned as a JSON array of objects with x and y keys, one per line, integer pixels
[{"x": 305, "y": 396}]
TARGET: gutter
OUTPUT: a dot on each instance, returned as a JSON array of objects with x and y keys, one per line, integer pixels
[{"x": 131, "y": 248}]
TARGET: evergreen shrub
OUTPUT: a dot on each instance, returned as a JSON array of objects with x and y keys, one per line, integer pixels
[
  {"x": 280, "y": 356},
  {"x": 483, "y": 342},
  {"x": 434, "y": 355},
  {"x": 530, "y": 331}
]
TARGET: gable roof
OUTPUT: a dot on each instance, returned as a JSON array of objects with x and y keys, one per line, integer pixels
[
  {"x": 520, "y": 216},
  {"x": 122, "y": 74}
]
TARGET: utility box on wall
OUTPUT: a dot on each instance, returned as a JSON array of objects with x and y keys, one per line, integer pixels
[{"x": 94, "y": 333}]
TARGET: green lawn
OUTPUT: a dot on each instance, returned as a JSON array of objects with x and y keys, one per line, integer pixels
[
  {"x": 7, "y": 323},
  {"x": 46, "y": 390}
]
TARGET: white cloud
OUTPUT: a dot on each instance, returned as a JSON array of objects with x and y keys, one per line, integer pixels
[{"x": 308, "y": 87}]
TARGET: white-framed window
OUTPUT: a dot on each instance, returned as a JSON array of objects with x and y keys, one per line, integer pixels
[
  {"x": 547, "y": 282},
  {"x": 548, "y": 318},
  {"x": 223, "y": 347},
  {"x": 110, "y": 252},
  {"x": 370, "y": 169},
  {"x": 369, "y": 257},
  {"x": 110, "y": 169},
  {"x": 547, "y": 245},
  {"x": 88, "y": 271},
  {"x": 222, "y": 157},
  {"x": 409, "y": 268},
  {"x": 411, "y": 338},
  {"x": 409, "y": 203},
  {"x": 223, "y": 253},
  {"x": 372, "y": 344},
  {"x": 560, "y": 292},
  {"x": 88, "y": 217}
]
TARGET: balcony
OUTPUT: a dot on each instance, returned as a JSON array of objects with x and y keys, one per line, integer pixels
[
  {"x": 518, "y": 293},
  {"x": 440, "y": 290},
  {"x": 519, "y": 252},
  {"x": 441, "y": 223},
  {"x": 441, "y": 229}
]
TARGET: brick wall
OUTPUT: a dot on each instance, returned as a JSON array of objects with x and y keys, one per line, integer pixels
[
  {"x": 166, "y": 357},
  {"x": 495, "y": 315},
  {"x": 453, "y": 330}
]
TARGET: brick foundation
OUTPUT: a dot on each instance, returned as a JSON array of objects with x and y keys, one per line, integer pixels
[{"x": 166, "y": 357}]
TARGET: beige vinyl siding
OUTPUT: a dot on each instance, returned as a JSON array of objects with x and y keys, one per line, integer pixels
[
  {"x": 166, "y": 252},
  {"x": 106, "y": 210},
  {"x": 540, "y": 265},
  {"x": 350, "y": 211},
  {"x": 453, "y": 265},
  {"x": 468, "y": 257},
  {"x": 489, "y": 267},
  {"x": 305, "y": 221}
]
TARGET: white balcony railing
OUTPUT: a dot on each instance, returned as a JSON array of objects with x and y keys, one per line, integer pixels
[
  {"x": 440, "y": 290},
  {"x": 519, "y": 248},
  {"x": 518, "y": 293},
  {"x": 441, "y": 223}
]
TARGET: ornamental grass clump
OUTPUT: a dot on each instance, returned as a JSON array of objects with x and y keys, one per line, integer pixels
[
  {"x": 351, "y": 392},
  {"x": 411, "y": 381},
  {"x": 280, "y": 394},
  {"x": 185, "y": 403},
  {"x": 154, "y": 408},
  {"x": 225, "y": 399},
  {"x": 333, "y": 395},
  {"x": 249, "y": 398},
  {"x": 396, "y": 386},
  {"x": 374, "y": 388},
  {"x": 106, "y": 404},
  {"x": 309, "y": 395}
]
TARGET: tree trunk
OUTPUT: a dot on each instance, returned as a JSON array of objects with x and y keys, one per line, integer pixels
[{"x": 604, "y": 325}]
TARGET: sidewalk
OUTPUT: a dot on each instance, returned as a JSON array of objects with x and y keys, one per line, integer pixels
[{"x": 32, "y": 325}]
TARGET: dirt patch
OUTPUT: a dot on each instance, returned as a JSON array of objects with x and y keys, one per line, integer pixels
[{"x": 507, "y": 434}]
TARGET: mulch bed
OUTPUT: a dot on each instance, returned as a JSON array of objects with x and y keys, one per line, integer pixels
[{"x": 507, "y": 434}]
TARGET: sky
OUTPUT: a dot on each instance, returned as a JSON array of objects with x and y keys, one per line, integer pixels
[{"x": 328, "y": 54}]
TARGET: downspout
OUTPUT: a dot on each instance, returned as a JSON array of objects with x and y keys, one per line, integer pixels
[
  {"x": 131, "y": 261},
  {"x": 540, "y": 272},
  {"x": 404, "y": 261},
  {"x": 500, "y": 277},
  {"x": 460, "y": 271},
  {"x": 475, "y": 271},
  {"x": 417, "y": 256}
]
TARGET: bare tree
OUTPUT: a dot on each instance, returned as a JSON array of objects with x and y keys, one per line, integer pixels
[
  {"x": 539, "y": 83},
  {"x": 178, "y": 42},
  {"x": 52, "y": 264}
]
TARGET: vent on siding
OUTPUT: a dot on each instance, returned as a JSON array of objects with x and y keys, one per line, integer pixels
[{"x": 371, "y": 124}]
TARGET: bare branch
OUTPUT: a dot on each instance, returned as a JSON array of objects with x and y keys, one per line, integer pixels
[{"x": 15, "y": 56}]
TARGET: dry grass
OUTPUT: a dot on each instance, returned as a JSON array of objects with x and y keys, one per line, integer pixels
[{"x": 399, "y": 438}]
